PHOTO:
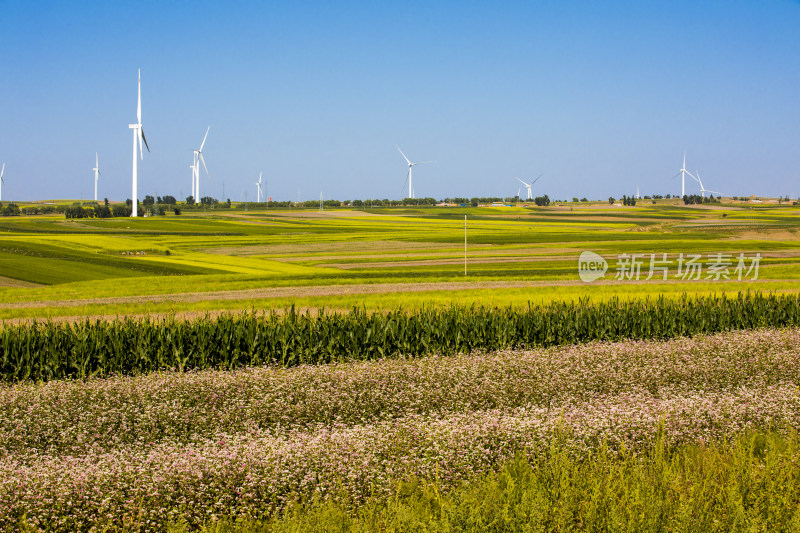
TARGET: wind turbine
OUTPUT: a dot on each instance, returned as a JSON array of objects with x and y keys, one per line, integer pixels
[
  {"x": 410, "y": 165},
  {"x": 2, "y": 181},
  {"x": 198, "y": 158},
  {"x": 682, "y": 173},
  {"x": 529, "y": 186},
  {"x": 258, "y": 190},
  {"x": 96, "y": 174},
  {"x": 703, "y": 190},
  {"x": 138, "y": 137}
]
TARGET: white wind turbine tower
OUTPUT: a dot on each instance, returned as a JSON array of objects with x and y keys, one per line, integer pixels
[
  {"x": 529, "y": 186},
  {"x": 192, "y": 166},
  {"x": 259, "y": 192},
  {"x": 703, "y": 190},
  {"x": 198, "y": 158},
  {"x": 410, "y": 165},
  {"x": 138, "y": 137},
  {"x": 2, "y": 181},
  {"x": 96, "y": 174}
]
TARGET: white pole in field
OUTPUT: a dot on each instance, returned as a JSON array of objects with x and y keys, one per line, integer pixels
[{"x": 465, "y": 245}]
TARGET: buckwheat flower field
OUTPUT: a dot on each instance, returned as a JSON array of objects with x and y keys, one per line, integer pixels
[{"x": 143, "y": 452}]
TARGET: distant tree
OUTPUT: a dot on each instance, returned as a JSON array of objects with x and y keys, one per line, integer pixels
[
  {"x": 103, "y": 212},
  {"x": 611, "y": 200},
  {"x": 76, "y": 211},
  {"x": 168, "y": 200},
  {"x": 474, "y": 202},
  {"x": 190, "y": 200},
  {"x": 176, "y": 210},
  {"x": 128, "y": 202},
  {"x": 120, "y": 210},
  {"x": 148, "y": 201},
  {"x": 575, "y": 199},
  {"x": 584, "y": 199},
  {"x": 542, "y": 200},
  {"x": 10, "y": 210}
]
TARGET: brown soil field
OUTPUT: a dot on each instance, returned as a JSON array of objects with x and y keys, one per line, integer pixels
[{"x": 11, "y": 282}]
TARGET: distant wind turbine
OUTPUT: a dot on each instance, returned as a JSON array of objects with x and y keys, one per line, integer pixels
[
  {"x": 703, "y": 190},
  {"x": 259, "y": 192},
  {"x": 138, "y": 137},
  {"x": 682, "y": 173},
  {"x": 96, "y": 174},
  {"x": 198, "y": 158},
  {"x": 2, "y": 181},
  {"x": 529, "y": 186},
  {"x": 410, "y": 165}
]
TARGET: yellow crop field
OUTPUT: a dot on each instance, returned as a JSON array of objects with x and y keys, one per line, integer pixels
[{"x": 383, "y": 259}]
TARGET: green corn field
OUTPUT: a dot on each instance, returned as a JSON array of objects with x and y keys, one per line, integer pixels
[{"x": 45, "y": 351}]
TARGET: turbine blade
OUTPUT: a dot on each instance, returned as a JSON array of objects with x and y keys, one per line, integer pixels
[
  {"x": 425, "y": 162},
  {"x": 522, "y": 182},
  {"x": 204, "y": 140},
  {"x": 139, "y": 106},
  {"x": 537, "y": 179},
  {"x": 676, "y": 175},
  {"x": 141, "y": 132},
  {"x": 404, "y": 155},
  {"x": 2, "y": 170},
  {"x": 204, "y": 165}
]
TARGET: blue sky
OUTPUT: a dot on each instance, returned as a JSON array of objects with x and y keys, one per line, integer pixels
[{"x": 598, "y": 97}]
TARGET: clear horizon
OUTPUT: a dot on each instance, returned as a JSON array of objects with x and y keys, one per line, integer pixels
[{"x": 599, "y": 99}]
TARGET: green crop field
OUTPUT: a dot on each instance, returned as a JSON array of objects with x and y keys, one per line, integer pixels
[{"x": 379, "y": 259}]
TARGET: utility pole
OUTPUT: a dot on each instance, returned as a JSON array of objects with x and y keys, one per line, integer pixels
[{"x": 465, "y": 245}]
